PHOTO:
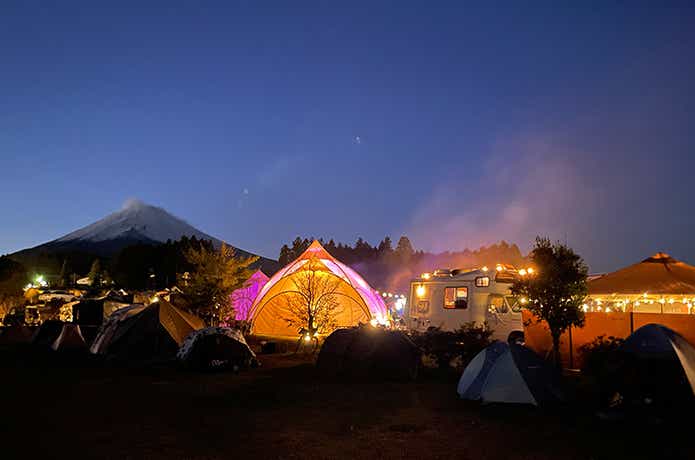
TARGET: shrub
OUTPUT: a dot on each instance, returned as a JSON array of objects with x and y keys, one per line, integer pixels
[
  {"x": 600, "y": 355},
  {"x": 456, "y": 348},
  {"x": 242, "y": 326}
]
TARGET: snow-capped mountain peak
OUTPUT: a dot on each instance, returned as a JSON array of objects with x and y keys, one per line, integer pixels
[{"x": 138, "y": 221}]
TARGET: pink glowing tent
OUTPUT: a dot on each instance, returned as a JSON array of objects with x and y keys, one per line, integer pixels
[
  {"x": 243, "y": 298},
  {"x": 359, "y": 303}
]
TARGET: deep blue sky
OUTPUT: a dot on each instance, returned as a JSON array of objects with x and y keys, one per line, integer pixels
[{"x": 257, "y": 121}]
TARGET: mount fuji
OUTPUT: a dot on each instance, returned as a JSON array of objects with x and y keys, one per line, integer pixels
[{"x": 135, "y": 223}]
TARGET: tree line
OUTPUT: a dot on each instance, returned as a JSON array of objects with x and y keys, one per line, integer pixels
[{"x": 389, "y": 267}]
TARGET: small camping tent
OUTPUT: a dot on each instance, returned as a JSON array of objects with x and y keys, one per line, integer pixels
[
  {"x": 216, "y": 348},
  {"x": 660, "y": 365},
  {"x": 47, "y": 333},
  {"x": 356, "y": 302},
  {"x": 147, "y": 333},
  {"x": 70, "y": 339},
  {"x": 509, "y": 373},
  {"x": 366, "y": 352},
  {"x": 18, "y": 334}
]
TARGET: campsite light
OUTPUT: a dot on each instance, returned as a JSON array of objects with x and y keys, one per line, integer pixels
[
  {"x": 307, "y": 338},
  {"x": 530, "y": 270},
  {"x": 522, "y": 272},
  {"x": 400, "y": 303},
  {"x": 485, "y": 268},
  {"x": 426, "y": 276},
  {"x": 499, "y": 268},
  {"x": 420, "y": 291}
]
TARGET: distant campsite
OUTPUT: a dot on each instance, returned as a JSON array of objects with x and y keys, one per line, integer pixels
[{"x": 470, "y": 329}]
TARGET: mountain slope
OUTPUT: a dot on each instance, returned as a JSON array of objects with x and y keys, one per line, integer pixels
[{"x": 135, "y": 223}]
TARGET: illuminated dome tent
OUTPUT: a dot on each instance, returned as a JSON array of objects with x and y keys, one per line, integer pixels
[
  {"x": 358, "y": 302},
  {"x": 658, "y": 284},
  {"x": 242, "y": 298}
]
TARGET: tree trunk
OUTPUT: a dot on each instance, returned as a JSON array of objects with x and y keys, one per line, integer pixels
[{"x": 556, "y": 350}]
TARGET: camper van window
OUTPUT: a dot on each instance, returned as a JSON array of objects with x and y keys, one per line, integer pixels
[
  {"x": 455, "y": 297},
  {"x": 482, "y": 281}
]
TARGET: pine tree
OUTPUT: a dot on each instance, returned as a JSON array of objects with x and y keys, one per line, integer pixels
[
  {"x": 404, "y": 250},
  {"x": 63, "y": 278},
  {"x": 95, "y": 274},
  {"x": 385, "y": 247},
  {"x": 285, "y": 255}
]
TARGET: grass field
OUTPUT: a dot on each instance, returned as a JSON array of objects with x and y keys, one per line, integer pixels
[{"x": 284, "y": 410}]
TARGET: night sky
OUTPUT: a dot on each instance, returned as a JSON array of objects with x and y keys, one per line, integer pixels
[{"x": 257, "y": 121}]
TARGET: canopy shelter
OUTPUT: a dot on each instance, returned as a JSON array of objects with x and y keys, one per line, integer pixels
[
  {"x": 658, "y": 284},
  {"x": 509, "y": 373},
  {"x": 242, "y": 298},
  {"x": 145, "y": 333},
  {"x": 357, "y": 301}
]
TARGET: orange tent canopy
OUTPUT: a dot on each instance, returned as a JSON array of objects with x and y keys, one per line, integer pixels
[{"x": 658, "y": 274}]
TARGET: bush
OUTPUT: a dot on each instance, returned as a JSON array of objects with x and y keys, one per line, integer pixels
[
  {"x": 600, "y": 355},
  {"x": 456, "y": 348},
  {"x": 241, "y": 325}
]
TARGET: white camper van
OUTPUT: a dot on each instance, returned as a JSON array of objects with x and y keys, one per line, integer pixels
[{"x": 448, "y": 298}]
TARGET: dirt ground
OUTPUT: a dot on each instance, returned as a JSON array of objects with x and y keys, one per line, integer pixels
[{"x": 284, "y": 410}]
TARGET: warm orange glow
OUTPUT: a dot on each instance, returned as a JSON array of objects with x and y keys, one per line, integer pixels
[
  {"x": 426, "y": 276},
  {"x": 522, "y": 272},
  {"x": 420, "y": 291},
  {"x": 530, "y": 270}
]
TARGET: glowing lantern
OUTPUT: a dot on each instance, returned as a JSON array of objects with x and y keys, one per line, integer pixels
[{"x": 420, "y": 291}]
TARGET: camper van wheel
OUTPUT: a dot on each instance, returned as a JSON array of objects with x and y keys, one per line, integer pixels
[{"x": 516, "y": 337}]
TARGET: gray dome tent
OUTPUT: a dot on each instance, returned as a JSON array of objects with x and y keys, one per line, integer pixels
[
  {"x": 216, "y": 348},
  {"x": 365, "y": 352},
  {"x": 47, "y": 333},
  {"x": 70, "y": 339},
  {"x": 659, "y": 365},
  {"x": 509, "y": 373}
]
